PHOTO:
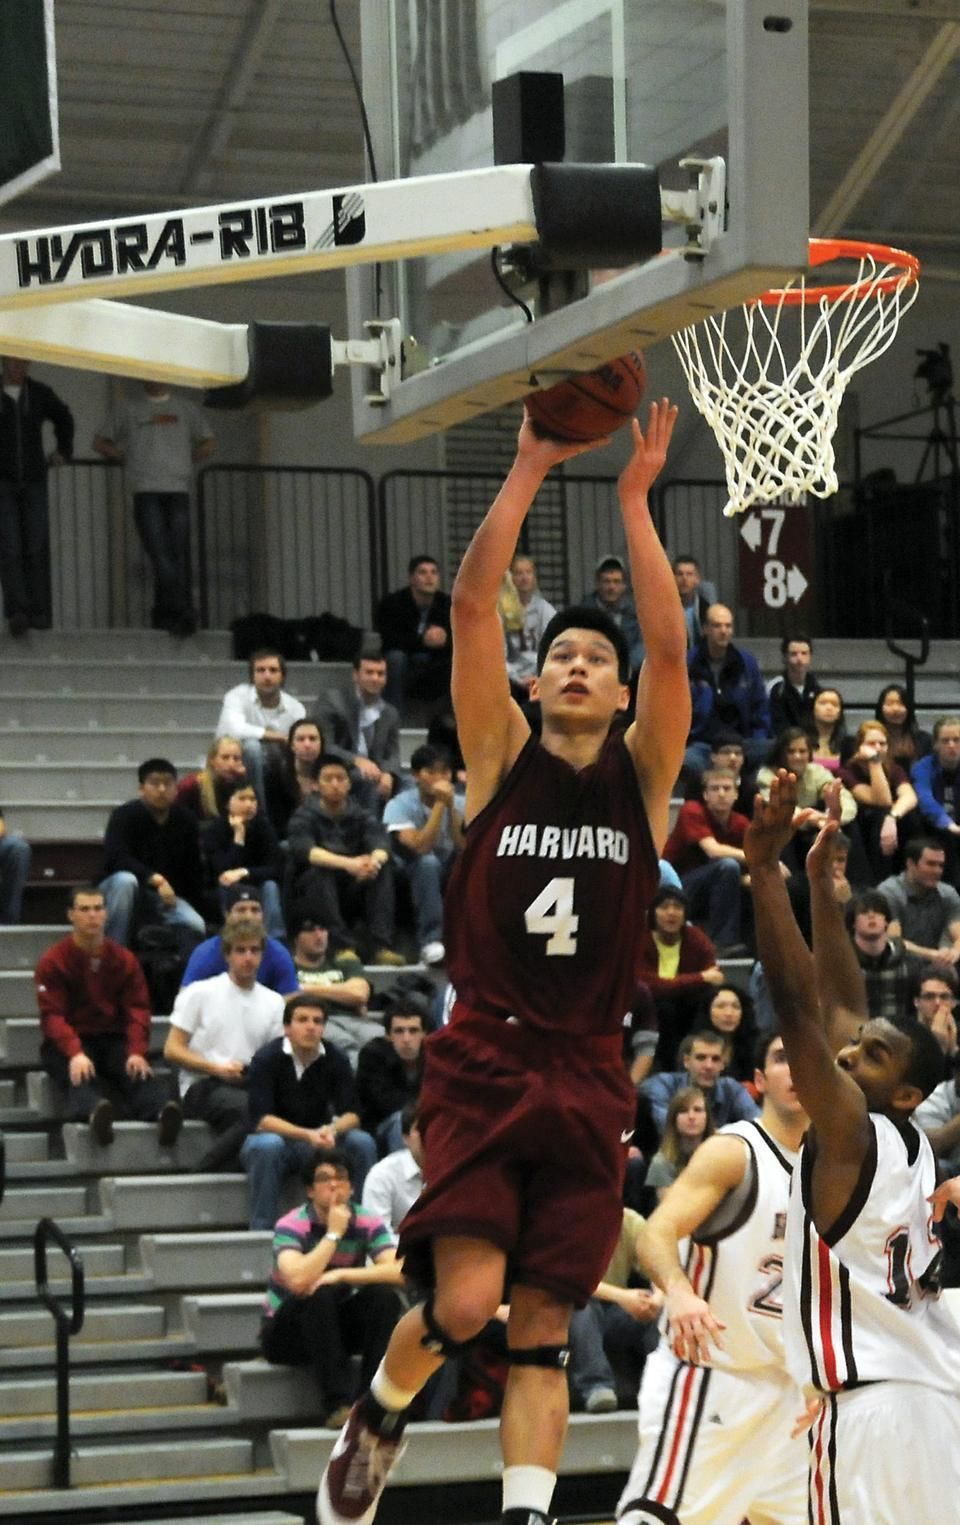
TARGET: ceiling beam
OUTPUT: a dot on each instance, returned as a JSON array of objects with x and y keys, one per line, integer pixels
[
  {"x": 241, "y": 70},
  {"x": 889, "y": 131}
]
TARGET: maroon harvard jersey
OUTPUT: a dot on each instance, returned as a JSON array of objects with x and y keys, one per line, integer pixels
[{"x": 546, "y": 900}]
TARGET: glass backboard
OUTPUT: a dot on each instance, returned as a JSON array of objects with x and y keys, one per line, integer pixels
[{"x": 648, "y": 81}]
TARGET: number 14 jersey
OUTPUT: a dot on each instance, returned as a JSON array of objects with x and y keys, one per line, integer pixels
[{"x": 547, "y": 898}]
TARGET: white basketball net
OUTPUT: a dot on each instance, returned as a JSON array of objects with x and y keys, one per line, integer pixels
[{"x": 774, "y": 418}]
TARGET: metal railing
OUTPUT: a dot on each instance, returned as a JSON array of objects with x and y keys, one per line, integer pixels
[{"x": 67, "y": 1324}]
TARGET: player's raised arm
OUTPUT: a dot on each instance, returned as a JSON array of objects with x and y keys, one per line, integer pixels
[
  {"x": 715, "y": 1169},
  {"x": 841, "y": 987},
  {"x": 658, "y": 737},
  {"x": 831, "y": 1099},
  {"x": 490, "y": 726}
]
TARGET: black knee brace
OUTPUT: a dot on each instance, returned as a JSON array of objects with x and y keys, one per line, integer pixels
[
  {"x": 557, "y": 1356},
  {"x": 436, "y": 1339}
]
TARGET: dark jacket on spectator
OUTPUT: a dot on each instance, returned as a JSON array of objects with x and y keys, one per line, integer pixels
[
  {"x": 259, "y": 855},
  {"x": 735, "y": 701},
  {"x": 22, "y": 454},
  {"x": 339, "y": 716},
  {"x": 384, "y": 1084},
  {"x": 352, "y": 833},
  {"x": 140, "y": 845},
  {"x": 398, "y": 621},
  {"x": 325, "y": 1089},
  {"x": 788, "y": 707}
]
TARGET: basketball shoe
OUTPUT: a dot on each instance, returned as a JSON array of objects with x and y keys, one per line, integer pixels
[{"x": 356, "y": 1474}]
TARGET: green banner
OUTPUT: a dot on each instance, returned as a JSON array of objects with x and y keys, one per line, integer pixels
[{"x": 29, "y": 139}]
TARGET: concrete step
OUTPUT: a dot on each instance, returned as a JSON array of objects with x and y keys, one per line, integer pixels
[
  {"x": 17, "y": 994},
  {"x": 67, "y": 673},
  {"x": 274, "y": 1394},
  {"x": 156, "y": 1460},
  {"x": 114, "y": 1424},
  {"x": 224, "y": 1321},
  {"x": 20, "y": 1040},
  {"x": 442, "y": 1453},
  {"x": 193, "y": 1497},
  {"x": 16, "y": 1265},
  {"x": 109, "y": 744},
  {"x": 42, "y": 821},
  {"x": 135, "y": 1149},
  {"x": 98, "y": 1354},
  {"x": 68, "y": 783},
  {"x": 43, "y": 1202},
  {"x": 27, "y": 1147},
  {"x": 101, "y": 1324},
  {"x": 40, "y": 1094},
  {"x": 8, "y": 1093},
  {"x": 25, "y": 1396},
  {"x": 115, "y": 646},
  {"x": 20, "y": 947},
  {"x": 194, "y": 1261},
  {"x": 180, "y": 1202}
]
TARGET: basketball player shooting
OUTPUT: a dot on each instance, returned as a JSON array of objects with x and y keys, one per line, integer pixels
[
  {"x": 526, "y": 1109},
  {"x": 864, "y": 1328}
]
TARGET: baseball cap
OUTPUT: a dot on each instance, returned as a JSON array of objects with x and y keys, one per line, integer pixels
[
  {"x": 610, "y": 563},
  {"x": 248, "y": 892}
]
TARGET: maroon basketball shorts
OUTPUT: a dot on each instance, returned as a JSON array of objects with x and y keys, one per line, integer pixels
[{"x": 526, "y": 1135}]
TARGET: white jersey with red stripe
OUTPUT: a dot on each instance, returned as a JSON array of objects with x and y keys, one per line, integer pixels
[
  {"x": 735, "y": 1258},
  {"x": 862, "y": 1301}
]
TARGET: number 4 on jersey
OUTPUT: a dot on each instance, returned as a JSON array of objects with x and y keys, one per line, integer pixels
[{"x": 551, "y": 915}]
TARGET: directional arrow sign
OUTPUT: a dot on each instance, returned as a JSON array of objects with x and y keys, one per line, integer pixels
[
  {"x": 796, "y": 584},
  {"x": 752, "y": 531}
]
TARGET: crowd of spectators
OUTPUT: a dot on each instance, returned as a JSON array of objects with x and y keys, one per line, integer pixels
[{"x": 274, "y": 873}]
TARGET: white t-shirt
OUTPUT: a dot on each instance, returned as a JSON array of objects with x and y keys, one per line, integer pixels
[
  {"x": 224, "y": 1023},
  {"x": 243, "y": 716},
  {"x": 157, "y": 436}
]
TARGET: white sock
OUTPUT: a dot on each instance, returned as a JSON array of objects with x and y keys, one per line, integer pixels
[
  {"x": 391, "y": 1397},
  {"x": 528, "y": 1488}
]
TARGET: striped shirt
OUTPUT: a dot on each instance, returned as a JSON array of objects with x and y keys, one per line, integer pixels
[{"x": 366, "y": 1238}]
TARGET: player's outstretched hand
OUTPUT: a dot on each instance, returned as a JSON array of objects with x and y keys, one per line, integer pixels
[
  {"x": 948, "y": 1191},
  {"x": 649, "y": 450},
  {"x": 774, "y": 822},
  {"x": 819, "y": 863},
  {"x": 692, "y": 1327},
  {"x": 543, "y": 451}
]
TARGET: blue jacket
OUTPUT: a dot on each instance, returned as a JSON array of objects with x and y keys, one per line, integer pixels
[
  {"x": 927, "y": 776},
  {"x": 736, "y": 701},
  {"x": 276, "y": 967},
  {"x": 729, "y": 1101}
]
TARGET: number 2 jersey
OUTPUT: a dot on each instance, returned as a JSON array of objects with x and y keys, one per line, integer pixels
[
  {"x": 735, "y": 1258},
  {"x": 862, "y": 1303},
  {"x": 550, "y": 891}
]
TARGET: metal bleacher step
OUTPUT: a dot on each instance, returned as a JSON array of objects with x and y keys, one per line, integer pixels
[
  {"x": 134, "y": 1149},
  {"x": 117, "y": 1423},
  {"x": 27, "y": 1148},
  {"x": 175, "y": 1202},
  {"x": 33, "y": 1202},
  {"x": 17, "y": 995},
  {"x": 595, "y": 1443},
  {"x": 224, "y": 1321},
  {"x": 193, "y": 1261},
  {"x": 20, "y": 947},
  {"x": 16, "y": 1264},
  {"x": 20, "y": 1040},
  {"x": 275, "y": 1394},
  {"x": 156, "y": 1460},
  {"x": 100, "y": 1353},
  {"x": 194, "y": 1494},
  {"x": 101, "y": 1325},
  {"x": 106, "y": 744},
  {"x": 117, "y": 645},
  {"x": 64, "y": 674},
  {"x": 90, "y": 1392}
]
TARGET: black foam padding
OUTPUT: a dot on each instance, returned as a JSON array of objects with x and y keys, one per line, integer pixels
[
  {"x": 594, "y": 216},
  {"x": 528, "y": 118},
  {"x": 291, "y": 367}
]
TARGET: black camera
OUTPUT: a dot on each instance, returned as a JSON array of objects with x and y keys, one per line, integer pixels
[{"x": 936, "y": 369}]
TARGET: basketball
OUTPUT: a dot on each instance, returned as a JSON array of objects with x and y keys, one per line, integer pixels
[{"x": 589, "y": 406}]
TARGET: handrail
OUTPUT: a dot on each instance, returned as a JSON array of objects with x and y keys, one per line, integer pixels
[
  {"x": 893, "y": 604},
  {"x": 66, "y": 1326},
  {"x": 3, "y": 1164}
]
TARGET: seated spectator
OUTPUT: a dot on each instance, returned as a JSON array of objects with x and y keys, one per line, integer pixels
[
  {"x": 414, "y": 628},
  {"x": 342, "y": 983},
  {"x": 792, "y": 750},
  {"x": 242, "y": 850},
  {"x": 612, "y": 594},
  {"x": 703, "y": 1058},
  {"x": 612, "y": 1336},
  {"x": 276, "y": 967},
  {"x": 425, "y": 828},
  {"x": 205, "y": 793},
  {"x": 886, "y": 801},
  {"x": 394, "y": 1183},
  {"x": 342, "y": 866},
  {"x": 727, "y": 693},
  {"x": 294, "y": 781},
  {"x": 95, "y": 1026},
  {"x": 726, "y": 751},
  {"x": 151, "y": 858},
  {"x": 688, "y": 1123},
  {"x": 935, "y": 1004},
  {"x": 938, "y": 792},
  {"x": 889, "y": 971},
  {"x": 390, "y": 1069},
  {"x": 363, "y": 730},
  {"x": 828, "y": 729},
  {"x": 677, "y": 963},
  {"x": 216, "y": 1027},
  {"x": 792, "y": 694},
  {"x": 706, "y": 849},
  {"x": 442, "y": 734},
  {"x": 729, "y": 1012},
  {"x": 696, "y": 595},
  {"x": 924, "y": 911},
  {"x": 260, "y": 714},
  {"x": 523, "y": 625},
  {"x": 939, "y": 1118},
  {"x": 15, "y": 859},
  {"x": 301, "y": 1096},
  {"x": 895, "y": 710},
  {"x": 324, "y": 1301}
]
